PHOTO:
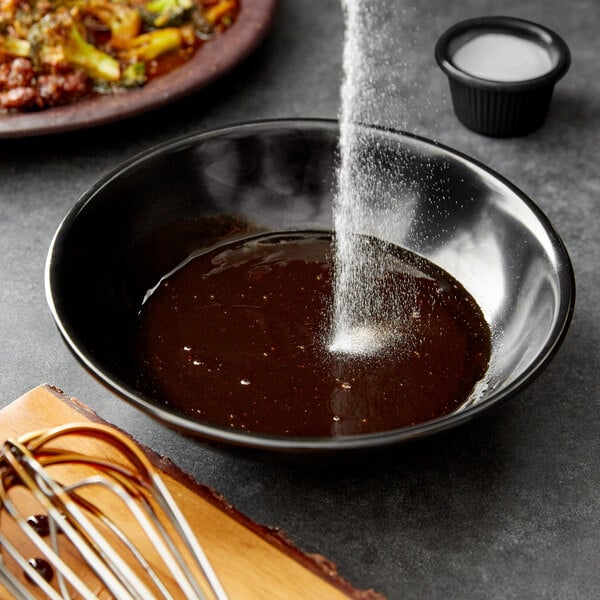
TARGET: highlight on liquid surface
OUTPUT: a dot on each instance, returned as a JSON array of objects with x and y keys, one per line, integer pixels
[{"x": 237, "y": 336}]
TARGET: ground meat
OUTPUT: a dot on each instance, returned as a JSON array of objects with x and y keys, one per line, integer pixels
[
  {"x": 60, "y": 88},
  {"x": 16, "y": 73},
  {"x": 21, "y": 89},
  {"x": 20, "y": 97},
  {"x": 17, "y": 84}
]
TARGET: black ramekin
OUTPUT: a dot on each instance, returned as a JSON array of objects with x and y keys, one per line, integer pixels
[{"x": 502, "y": 108}]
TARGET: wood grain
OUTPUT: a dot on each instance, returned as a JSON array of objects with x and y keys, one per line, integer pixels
[{"x": 252, "y": 562}]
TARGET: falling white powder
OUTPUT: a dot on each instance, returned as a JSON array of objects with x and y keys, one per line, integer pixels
[{"x": 366, "y": 172}]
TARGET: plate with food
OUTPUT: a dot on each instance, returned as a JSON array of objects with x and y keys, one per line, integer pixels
[{"x": 73, "y": 64}]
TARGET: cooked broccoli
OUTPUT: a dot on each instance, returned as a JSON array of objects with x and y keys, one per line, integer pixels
[
  {"x": 163, "y": 13},
  {"x": 97, "y": 64},
  {"x": 154, "y": 43},
  {"x": 134, "y": 75},
  {"x": 15, "y": 46},
  {"x": 57, "y": 39}
]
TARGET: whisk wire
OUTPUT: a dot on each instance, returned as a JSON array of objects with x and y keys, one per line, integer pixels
[
  {"x": 15, "y": 585},
  {"x": 134, "y": 551},
  {"x": 142, "y": 495},
  {"x": 78, "y": 529},
  {"x": 189, "y": 539}
]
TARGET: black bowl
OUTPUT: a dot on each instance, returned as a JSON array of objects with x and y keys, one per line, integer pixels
[
  {"x": 147, "y": 216},
  {"x": 502, "y": 108}
]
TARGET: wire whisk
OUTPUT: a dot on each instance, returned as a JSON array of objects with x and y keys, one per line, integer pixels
[{"x": 94, "y": 525}]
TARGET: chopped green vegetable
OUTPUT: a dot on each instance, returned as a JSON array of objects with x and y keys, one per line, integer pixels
[
  {"x": 15, "y": 46},
  {"x": 166, "y": 13},
  {"x": 154, "y": 43},
  {"x": 97, "y": 64},
  {"x": 134, "y": 75}
]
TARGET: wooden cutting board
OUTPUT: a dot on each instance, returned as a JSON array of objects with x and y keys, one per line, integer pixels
[{"x": 252, "y": 561}]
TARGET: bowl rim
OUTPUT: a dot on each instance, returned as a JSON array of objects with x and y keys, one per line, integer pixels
[
  {"x": 498, "y": 23},
  {"x": 212, "y": 433}
]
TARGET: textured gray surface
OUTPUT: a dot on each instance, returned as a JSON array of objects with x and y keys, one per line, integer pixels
[{"x": 506, "y": 507}]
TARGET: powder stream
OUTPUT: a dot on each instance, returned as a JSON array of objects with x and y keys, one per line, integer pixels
[{"x": 358, "y": 321}]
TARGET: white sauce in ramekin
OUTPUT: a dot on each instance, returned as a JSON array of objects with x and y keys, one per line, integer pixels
[{"x": 502, "y": 57}]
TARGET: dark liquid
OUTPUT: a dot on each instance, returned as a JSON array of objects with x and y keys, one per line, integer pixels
[{"x": 237, "y": 337}]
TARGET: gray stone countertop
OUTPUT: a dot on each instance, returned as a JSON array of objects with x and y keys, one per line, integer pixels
[{"x": 507, "y": 506}]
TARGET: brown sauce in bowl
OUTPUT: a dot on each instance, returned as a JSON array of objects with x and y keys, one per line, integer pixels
[{"x": 237, "y": 336}]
